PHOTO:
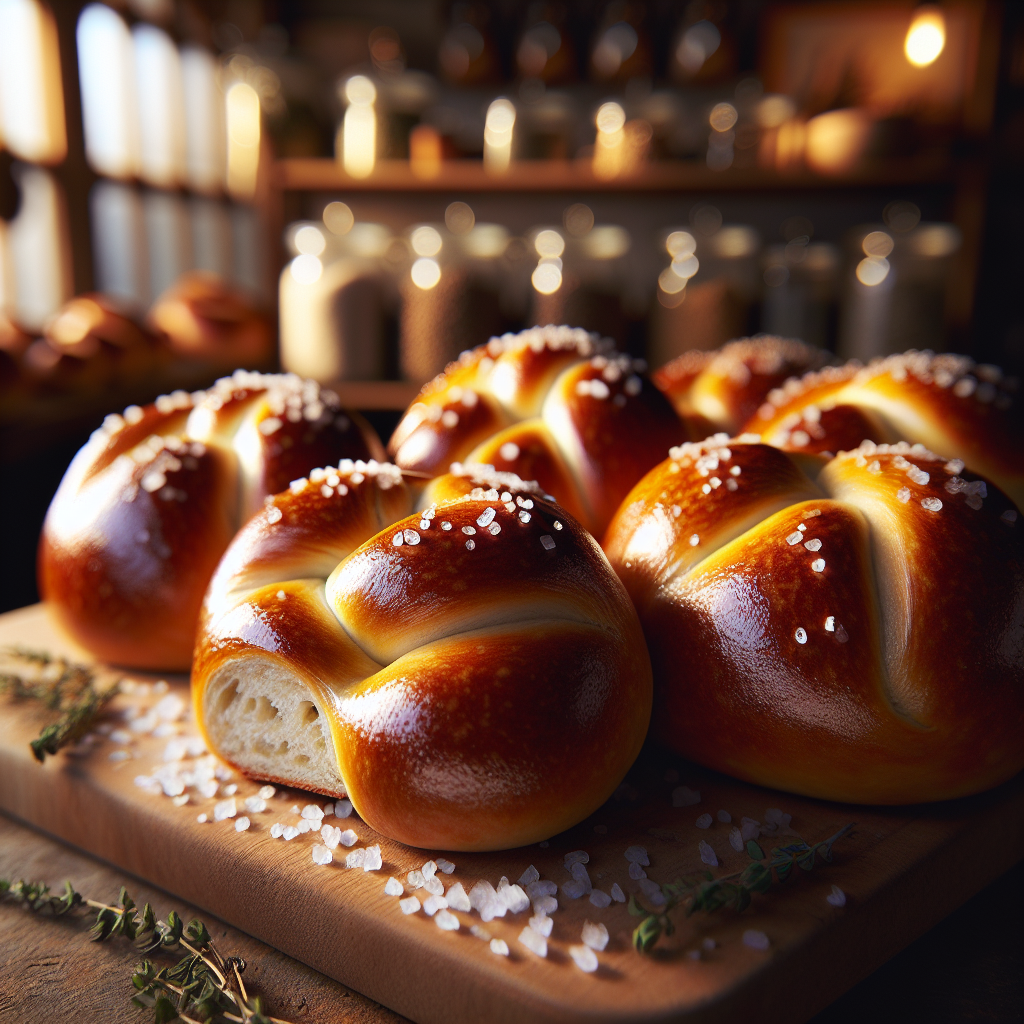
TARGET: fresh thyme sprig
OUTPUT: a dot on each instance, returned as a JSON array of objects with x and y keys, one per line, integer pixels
[
  {"x": 204, "y": 987},
  {"x": 705, "y": 892},
  {"x": 63, "y": 686}
]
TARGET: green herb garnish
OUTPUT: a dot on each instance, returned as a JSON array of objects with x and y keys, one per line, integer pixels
[{"x": 705, "y": 892}]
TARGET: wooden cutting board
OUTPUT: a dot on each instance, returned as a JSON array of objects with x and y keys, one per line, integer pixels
[{"x": 902, "y": 870}]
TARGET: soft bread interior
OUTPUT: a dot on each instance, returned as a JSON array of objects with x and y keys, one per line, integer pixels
[{"x": 266, "y": 719}]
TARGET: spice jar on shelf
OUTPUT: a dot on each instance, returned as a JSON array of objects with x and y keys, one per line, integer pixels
[{"x": 334, "y": 298}]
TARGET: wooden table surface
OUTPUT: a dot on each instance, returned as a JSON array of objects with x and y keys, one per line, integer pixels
[{"x": 966, "y": 969}]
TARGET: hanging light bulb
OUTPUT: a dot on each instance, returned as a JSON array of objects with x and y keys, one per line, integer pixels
[
  {"x": 501, "y": 119},
  {"x": 926, "y": 37}
]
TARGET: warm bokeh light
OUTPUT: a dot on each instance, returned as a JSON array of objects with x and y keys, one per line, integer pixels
[
  {"x": 338, "y": 218},
  {"x": 936, "y": 241},
  {"x": 610, "y": 143},
  {"x": 498, "y": 128},
  {"x": 359, "y": 128},
  {"x": 486, "y": 241},
  {"x": 685, "y": 266},
  {"x": 670, "y": 282},
  {"x": 426, "y": 151},
  {"x": 607, "y": 242},
  {"x": 547, "y": 277},
  {"x": 310, "y": 240},
  {"x": 459, "y": 218},
  {"x": 872, "y": 270},
  {"x": 204, "y": 121},
  {"x": 306, "y": 269},
  {"x": 680, "y": 243},
  {"x": 426, "y": 241},
  {"x": 878, "y": 244},
  {"x": 242, "y": 108},
  {"x": 736, "y": 241},
  {"x": 31, "y": 96},
  {"x": 106, "y": 71},
  {"x": 836, "y": 140},
  {"x": 926, "y": 37},
  {"x": 160, "y": 93},
  {"x": 723, "y": 117},
  {"x": 425, "y": 273},
  {"x": 549, "y": 243}
]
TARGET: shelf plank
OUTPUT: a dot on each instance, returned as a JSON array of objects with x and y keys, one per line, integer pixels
[{"x": 326, "y": 175}]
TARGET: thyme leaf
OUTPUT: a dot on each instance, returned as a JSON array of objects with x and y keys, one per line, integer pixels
[
  {"x": 704, "y": 892},
  {"x": 203, "y": 987},
  {"x": 60, "y": 685}
]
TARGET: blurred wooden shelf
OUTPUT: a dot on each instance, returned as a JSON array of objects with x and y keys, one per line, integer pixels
[{"x": 322, "y": 174}]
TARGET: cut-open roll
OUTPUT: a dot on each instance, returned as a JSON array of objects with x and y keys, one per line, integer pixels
[{"x": 472, "y": 675}]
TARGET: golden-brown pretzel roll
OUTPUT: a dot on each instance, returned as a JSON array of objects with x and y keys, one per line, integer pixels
[
  {"x": 723, "y": 388},
  {"x": 149, "y": 504},
  {"x": 473, "y": 676},
  {"x": 946, "y": 402},
  {"x": 551, "y": 404},
  {"x": 855, "y": 633},
  {"x": 202, "y": 317}
]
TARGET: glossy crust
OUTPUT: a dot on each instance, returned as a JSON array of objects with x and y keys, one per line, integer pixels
[
  {"x": 202, "y": 317},
  {"x": 948, "y": 403},
  {"x": 722, "y": 389},
  {"x": 475, "y": 674},
  {"x": 149, "y": 504},
  {"x": 856, "y": 636},
  {"x": 551, "y": 404}
]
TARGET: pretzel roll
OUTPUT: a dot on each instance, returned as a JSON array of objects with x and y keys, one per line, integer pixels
[
  {"x": 851, "y": 629},
  {"x": 946, "y": 402},
  {"x": 552, "y": 404},
  {"x": 722, "y": 389},
  {"x": 150, "y": 503},
  {"x": 473, "y": 676},
  {"x": 201, "y": 317}
]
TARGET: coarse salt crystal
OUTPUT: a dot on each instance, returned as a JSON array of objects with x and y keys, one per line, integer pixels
[
  {"x": 595, "y": 935},
  {"x": 547, "y": 542},
  {"x": 241, "y": 824},
  {"x": 225, "y": 809},
  {"x": 433, "y": 885},
  {"x": 704, "y": 821},
  {"x": 574, "y": 890},
  {"x": 255, "y": 804},
  {"x": 202, "y": 819},
  {"x": 429, "y": 869},
  {"x": 415, "y": 879},
  {"x": 312, "y": 811},
  {"x": 652, "y": 890},
  {"x": 903, "y": 495},
  {"x": 617, "y": 894},
  {"x": 276, "y": 829},
  {"x": 584, "y": 958},
  {"x": 321, "y": 855},
  {"x": 305, "y": 825},
  {"x": 600, "y": 898},
  {"x": 331, "y": 836},
  {"x": 409, "y": 905},
  {"x": 683, "y": 796},
  {"x": 724, "y": 816},
  {"x": 533, "y": 942},
  {"x": 931, "y": 504},
  {"x": 755, "y": 939},
  {"x": 801, "y": 634},
  {"x": 575, "y": 857},
  {"x": 180, "y": 801},
  {"x": 499, "y": 947},
  {"x": 355, "y": 859},
  {"x": 836, "y": 897},
  {"x": 544, "y": 904},
  {"x": 707, "y": 855},
  {"x": 393, "y": 887},
  {"x": 445, "y": 866},
  {"x": 348, "y": 838},
  {"x": 433, "y": 903},
  {"x": 458, "y": 898},
  {"x": 794, "y": 538},
  {"x": 541, "y": 924},
  {"x": 446, "y": 921},
  {"x": 818, "y": 565},
  {"x": 636, "y": 871},
  {"x": 372, "y": 859},
  {"x": 541, "y": 887},
  {"x": 637, "y": 855},
  {"x": 342, "y": 808},
  {"x": 736, "y": 839},
  {"x": 290, "y": 832},
  {"x": 750, "y": 829},
  {"x": 531, "y": 874}
]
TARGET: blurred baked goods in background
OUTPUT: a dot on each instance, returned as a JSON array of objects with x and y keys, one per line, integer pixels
[{"x": 203, "y": 318}]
